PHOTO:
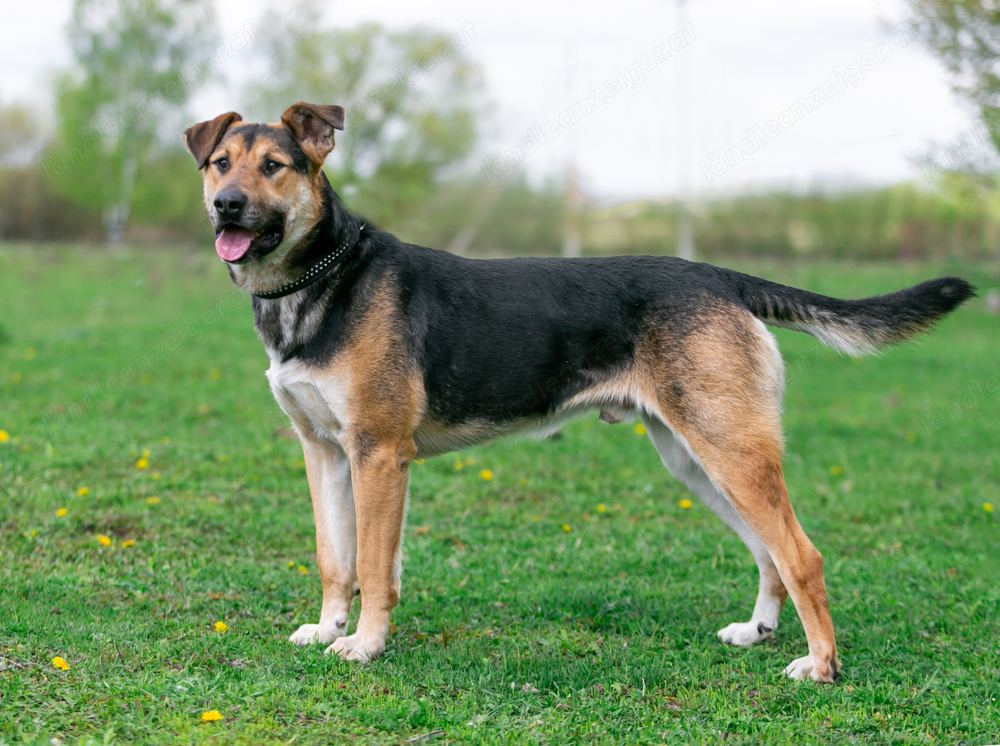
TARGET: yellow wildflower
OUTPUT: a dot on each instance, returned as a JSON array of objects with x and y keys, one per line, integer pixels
[
  {"x": 105, "y": 541},
  {"x": 15, "y": 377},
  {"x": 221, "y": 626},
  {"x": 522, "y": 481},
  {"x": 29, "y": 353},
  {"x": 141, "y": 463},
  {"x": 154, "y": 500},
  {"x": 602, "y": 508},
  {"x": 458, "y": 465},
  {"x": 911, "y": 436},
  {"x": 486, "y": 474},
  {"x": 988, "y": 507},
  {"x": 836, "y": 471},
  {"x": 61, "y": 512},
  {"x": 210, "y": 716},
  {"x": 469, "y": 461},
  {"x": 291, "y": 565},
  {"x": 203, "y": 408},
  {"x": 128, "y": 543},
  {"x": 215, "y": 374},
  {"x": 639, "y": 428},
  {"x": 60, "y": 663},
  {"x": 82, "y": 491},
  {"x": 303, "y": 570},
  {"x": 145, "y": 453},
  {"x": 685, "y": 504},
  {"x": 4, "y": 436},
  {"x": 566, "y": 528}
]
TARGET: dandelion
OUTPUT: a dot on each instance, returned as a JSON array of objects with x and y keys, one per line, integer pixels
[
  {"x": 639, "y": 428},
  {"x": 469, "y": 461},
  {"x": 215, "y": 374},
  {"x": 145, "y": 453},
  {"x": 911, "y": 437},
  {"x": 211, "y": 716},
  {"x": 220, "y": 626},
  {"x": 155, "y": 475},
  {"x": 4, "y": 436},
  {"x": 15, "y": 377},
  {"x": 142, "y": 463},
  {"x": 128, "y": 543},
  {"x": 566, "y": 528},
  {"x": 202, "y": 408},
  {"x": 988, "y": 507},
  {"x": 105, "y": 541},
  {"x": 60, "y": 663},
  {"x": 291, "y": 565},
  {"x": 522, "y": 481},
  {"x": 303, "y": 570},
  {"x": 685, "y": 504},
  {"x": 61, "y": 512},
  {"x": 29, "y": 353},
  {"x": 836, "y": 471},
  {"x": 486, "y": 474},
  {"x": 82, "y": 491},
  {"x": 602, "y": 508},
  {"x": 154, "y": 500},
  {"x": 458, "y": 465}
]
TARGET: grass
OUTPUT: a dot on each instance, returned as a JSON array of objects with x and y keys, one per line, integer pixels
[{"x": 512, "y": 629}]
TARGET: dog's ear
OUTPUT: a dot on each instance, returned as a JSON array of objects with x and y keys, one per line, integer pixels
[
  {"x": 313, "y": 126},
  {"x": 202, "y": 138}
]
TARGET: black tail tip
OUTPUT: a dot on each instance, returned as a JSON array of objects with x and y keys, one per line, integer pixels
[{"x": 945, "y": 293}]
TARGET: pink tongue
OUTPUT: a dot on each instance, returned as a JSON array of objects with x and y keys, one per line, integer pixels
[{"x": 233, "y": 243}]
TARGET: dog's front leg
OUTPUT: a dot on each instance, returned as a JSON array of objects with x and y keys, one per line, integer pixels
[
  {"x": 329, "y": 472},
  {"x": 379, "y": 474}
]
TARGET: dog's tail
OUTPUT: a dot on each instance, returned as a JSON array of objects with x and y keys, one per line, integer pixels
[{"x": 857, "y": 327}]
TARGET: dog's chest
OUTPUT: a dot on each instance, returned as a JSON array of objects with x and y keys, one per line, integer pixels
[{"x": 315, "y": 400}]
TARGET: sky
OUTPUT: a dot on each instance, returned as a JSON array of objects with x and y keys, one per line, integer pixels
[{"x": 825, "y": 93}]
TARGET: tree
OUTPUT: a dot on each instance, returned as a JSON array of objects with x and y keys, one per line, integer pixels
[
  {"x": 411, "y": 100},
  {"x": 137, "y": 62},
  {"x": 966, "y": 35}
]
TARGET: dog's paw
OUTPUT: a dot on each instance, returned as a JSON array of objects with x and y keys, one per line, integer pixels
[
  {"x": 745, "y": 633},
  {"x": 308, "y": 634},
  {"x": 806, "y": 668},
  {"x": 358, "y": 647}
]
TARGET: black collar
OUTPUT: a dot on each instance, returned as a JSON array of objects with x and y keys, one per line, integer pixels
[{"x": 318, "y": 270}]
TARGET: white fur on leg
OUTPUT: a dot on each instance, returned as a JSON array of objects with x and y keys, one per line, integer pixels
[
  {"x": 323, "y": 632},
  {"x": 358, "y": 647},
  {"x": 745, "y": 633},
  {"x": 805, "y": 668}
]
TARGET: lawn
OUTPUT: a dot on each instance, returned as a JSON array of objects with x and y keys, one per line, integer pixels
[{"x": 571, "y": 597}]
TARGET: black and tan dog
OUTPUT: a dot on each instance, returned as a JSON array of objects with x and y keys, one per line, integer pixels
[{"x": 382, "y": 351}]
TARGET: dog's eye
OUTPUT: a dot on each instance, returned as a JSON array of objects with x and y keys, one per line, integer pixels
[
  {"x": 222, "y": 164},
  {"x": 272, "y": 167}
]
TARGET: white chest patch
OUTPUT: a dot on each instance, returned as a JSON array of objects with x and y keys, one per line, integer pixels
[{"x": 315, "y": 400}]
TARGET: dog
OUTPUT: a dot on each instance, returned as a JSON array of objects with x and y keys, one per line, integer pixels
[{"x": 382, "y": 351}]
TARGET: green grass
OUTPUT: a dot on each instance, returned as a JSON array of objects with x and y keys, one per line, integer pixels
[{"x": 511, "y": 629}]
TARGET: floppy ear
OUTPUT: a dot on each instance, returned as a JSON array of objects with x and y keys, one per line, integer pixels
[
  {"x": 313, "y": 126},
  {"x": 202, "y": 138}
]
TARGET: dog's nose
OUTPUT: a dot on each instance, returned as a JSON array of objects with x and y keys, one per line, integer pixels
[{"x": 230, "y": 203}]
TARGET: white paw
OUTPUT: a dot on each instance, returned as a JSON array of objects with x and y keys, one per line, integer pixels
[
  {"x": 745, "y": 633},
  {"x": 805, "y": 668},
  {"x": 308, "y": 634},
  {"x": 358, "y": 647}
]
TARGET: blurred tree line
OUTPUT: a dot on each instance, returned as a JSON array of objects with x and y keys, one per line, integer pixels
[{"x": 111, "y": 167}]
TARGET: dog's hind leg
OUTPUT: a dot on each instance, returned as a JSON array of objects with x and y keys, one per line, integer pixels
[
  {"x": 328, "y": 470},
  {"x": 677, "y": 457},
  {"x": 718, "y": 385}
]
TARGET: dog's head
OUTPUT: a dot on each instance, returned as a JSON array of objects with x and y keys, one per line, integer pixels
[{"x": 262, "y": 182}]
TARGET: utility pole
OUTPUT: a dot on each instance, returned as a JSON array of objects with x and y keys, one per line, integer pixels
[{"x": 682, "y": 81}]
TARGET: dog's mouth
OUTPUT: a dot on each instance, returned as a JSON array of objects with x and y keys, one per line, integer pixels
[{"x": 236, "y": 244}]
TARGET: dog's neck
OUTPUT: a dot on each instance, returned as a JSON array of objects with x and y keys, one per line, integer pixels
[{"x": 286, "y": 323}]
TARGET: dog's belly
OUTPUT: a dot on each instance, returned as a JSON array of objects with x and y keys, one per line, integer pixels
[{"x": 316, "y": 406}]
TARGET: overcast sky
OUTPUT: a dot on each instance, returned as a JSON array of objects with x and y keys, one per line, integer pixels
[{"x": 740, "y": 65}]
